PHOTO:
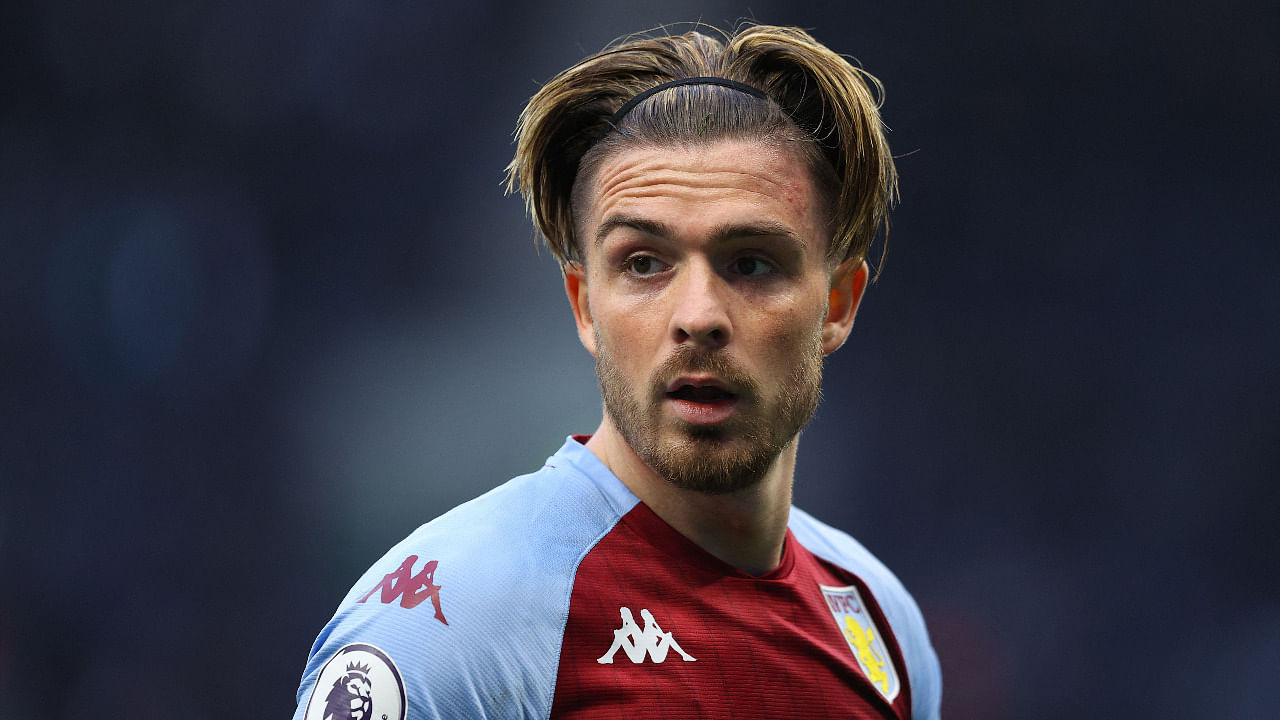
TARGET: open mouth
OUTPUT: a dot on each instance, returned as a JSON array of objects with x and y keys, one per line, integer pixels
[
  {"x": 703, "y": 403},
  {"x": 700, "y": 394}
]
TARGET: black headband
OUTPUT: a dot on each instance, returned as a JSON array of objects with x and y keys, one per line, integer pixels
[{"x": 723, "y": 82}]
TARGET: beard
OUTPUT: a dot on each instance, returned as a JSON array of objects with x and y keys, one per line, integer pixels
[{"x": 718, "y": 459}]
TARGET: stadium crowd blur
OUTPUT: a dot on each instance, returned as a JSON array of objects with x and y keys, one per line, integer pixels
[{"x": 265, "y": 309}]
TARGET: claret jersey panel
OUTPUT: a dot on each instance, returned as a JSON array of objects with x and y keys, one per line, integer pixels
[
  {"x": 658, "y": 628},
  {"x": 559, "y": 594}
]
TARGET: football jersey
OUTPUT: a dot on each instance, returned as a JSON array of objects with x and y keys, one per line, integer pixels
[{"x": 560, "y": 595}]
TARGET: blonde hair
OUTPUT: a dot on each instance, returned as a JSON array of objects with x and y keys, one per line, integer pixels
[{"x": 816, "y": 98}]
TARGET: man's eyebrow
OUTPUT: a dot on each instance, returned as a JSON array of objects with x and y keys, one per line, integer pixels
[
  {"x": 644, "y": 225},
  {"x": 718, "y": 234},
  {"x": 766, "y": 228}
]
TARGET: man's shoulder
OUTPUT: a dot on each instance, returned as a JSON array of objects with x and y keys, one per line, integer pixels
[
  {"x": 543, "y": 520},
  {"x": 469, "y": 608},
  {"x": 840, "y": 548},
  {"x": 900, "y": 609}
]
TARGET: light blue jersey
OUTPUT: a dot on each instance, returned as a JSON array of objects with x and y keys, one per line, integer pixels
[{"x": 470, "y": 616}]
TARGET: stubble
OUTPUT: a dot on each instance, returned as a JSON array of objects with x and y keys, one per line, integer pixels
[{"x": 714, "y": 459}]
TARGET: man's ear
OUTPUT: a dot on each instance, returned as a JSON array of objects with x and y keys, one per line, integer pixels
[
  {"x": 575, "y": 286},
  {"x": 848, "y": 283}
]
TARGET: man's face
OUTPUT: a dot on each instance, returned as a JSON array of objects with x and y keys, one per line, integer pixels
[{"x": 705, "y": 299}]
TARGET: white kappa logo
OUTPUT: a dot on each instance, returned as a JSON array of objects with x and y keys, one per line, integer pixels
[{"x": 636, "y": 643}]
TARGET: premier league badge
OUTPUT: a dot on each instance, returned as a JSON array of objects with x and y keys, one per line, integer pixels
[
  {"x": 865, "y": 640},
  {"x": 360, "y": 682}
]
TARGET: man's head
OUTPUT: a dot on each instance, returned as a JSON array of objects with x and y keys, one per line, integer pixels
[
  {"x": 814, "y": 100},
  {"x": 713, "y": 235}
]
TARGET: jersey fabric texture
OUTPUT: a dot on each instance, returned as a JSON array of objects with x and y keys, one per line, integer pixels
[{"x": 560, "y": 595}]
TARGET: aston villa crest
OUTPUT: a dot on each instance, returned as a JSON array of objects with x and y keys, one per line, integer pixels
[{"x": 865, "y": 640}]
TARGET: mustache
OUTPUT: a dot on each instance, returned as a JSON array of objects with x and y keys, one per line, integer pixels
[{"x": 686, "y": 360}]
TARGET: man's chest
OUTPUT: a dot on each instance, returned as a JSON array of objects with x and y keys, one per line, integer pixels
[{"x": 648, "y": 636}]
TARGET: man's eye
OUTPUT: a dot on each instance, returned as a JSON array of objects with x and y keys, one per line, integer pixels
[
  {"x": 644, "y": 265},
  {"x": 751, "y": 266}
]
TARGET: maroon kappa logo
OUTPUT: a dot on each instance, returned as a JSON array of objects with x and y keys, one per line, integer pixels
[{"x": 412, "y": 588}]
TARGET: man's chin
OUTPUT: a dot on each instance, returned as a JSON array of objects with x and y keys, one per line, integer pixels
[{"x": 712, "y": 461}]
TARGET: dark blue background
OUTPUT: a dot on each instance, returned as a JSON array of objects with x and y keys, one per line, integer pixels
[{"x": 265, "y": 309}]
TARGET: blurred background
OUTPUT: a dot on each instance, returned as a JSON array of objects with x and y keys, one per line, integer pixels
[{"x": 265, "y": 309}]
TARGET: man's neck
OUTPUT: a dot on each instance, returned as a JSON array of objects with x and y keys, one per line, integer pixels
[{"x": 746, "y": 528}]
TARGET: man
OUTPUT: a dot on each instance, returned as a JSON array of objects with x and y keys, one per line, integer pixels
[{"x": 711, "y": 204}]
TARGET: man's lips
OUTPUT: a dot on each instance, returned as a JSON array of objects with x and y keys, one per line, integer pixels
[
  {"x": 701, "y": 401},
  {"x": 696, "y": 389}
]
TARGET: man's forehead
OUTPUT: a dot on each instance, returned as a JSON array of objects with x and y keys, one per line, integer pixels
[
  {"x": 759, "y": 183},
  {"x": 751, "y": 159}
]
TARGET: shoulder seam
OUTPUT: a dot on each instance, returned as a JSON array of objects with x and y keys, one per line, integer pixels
[{"x": 568, "y": 599}]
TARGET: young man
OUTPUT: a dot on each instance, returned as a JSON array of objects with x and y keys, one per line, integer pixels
[{"x": 711, "y": 203}]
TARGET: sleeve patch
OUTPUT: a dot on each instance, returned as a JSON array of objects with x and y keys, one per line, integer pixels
[{"x": 360, "y": 682}]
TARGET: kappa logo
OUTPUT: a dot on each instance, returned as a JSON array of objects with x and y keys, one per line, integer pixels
[
  {"x": 637, "y": 642},
  {"x": 357, "y": 682},
  {"x": 411, "y": 588},
  {"x": 864, "y": 640}
]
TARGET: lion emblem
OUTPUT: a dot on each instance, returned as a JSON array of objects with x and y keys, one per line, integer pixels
[{"x": 351, "y": 697}]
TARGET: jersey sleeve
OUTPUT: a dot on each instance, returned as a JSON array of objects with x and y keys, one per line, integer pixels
[
  {"x": 464, "y": 618},
  {"x": 903, "y": 615}
]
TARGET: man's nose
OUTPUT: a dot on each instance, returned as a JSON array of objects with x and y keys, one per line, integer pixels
[{"x": 701, "y": 312}]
